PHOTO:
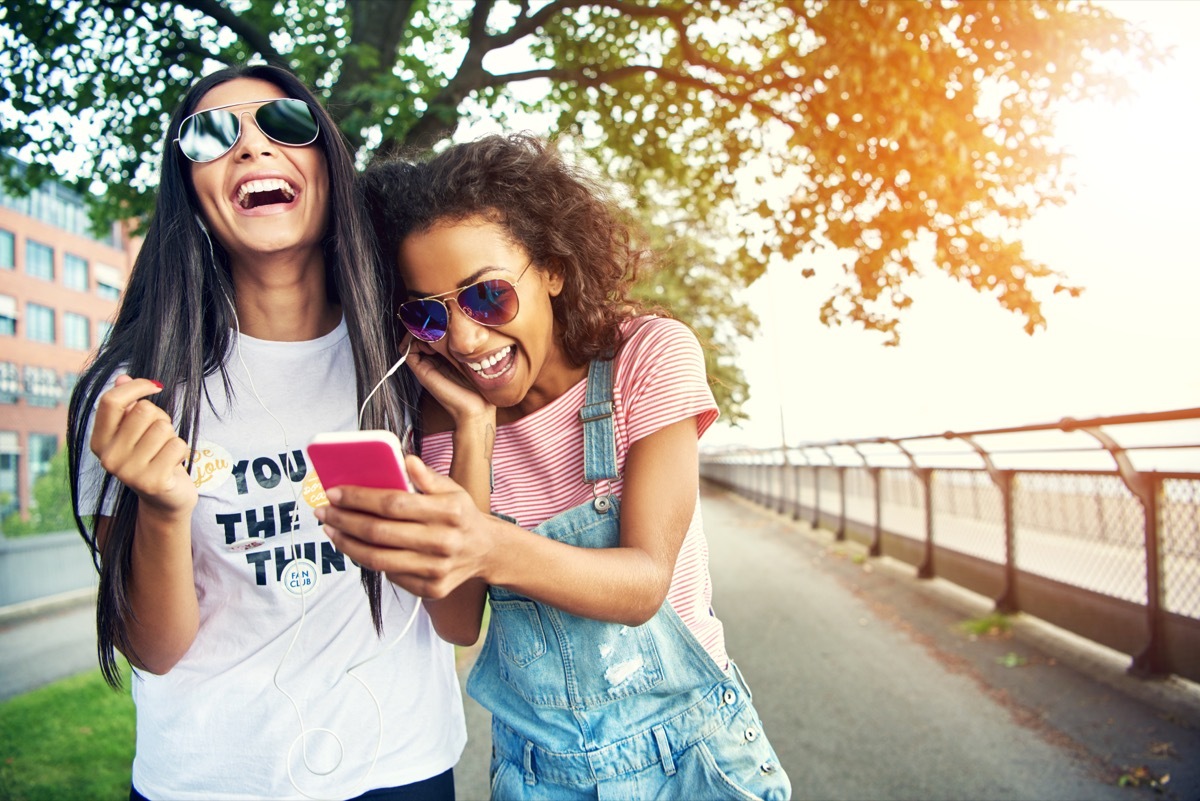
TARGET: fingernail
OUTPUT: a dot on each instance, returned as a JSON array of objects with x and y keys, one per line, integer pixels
[
  {"x": 156, "y": 383},
  {"x": 319, "y": 513},
  {"x": 334, "y": 495}
]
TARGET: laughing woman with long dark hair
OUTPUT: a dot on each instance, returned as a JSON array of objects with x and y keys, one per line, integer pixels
[{"x": 252, "y": 322}]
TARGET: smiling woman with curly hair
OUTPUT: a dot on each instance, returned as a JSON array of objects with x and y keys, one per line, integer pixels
[{"x": 604, "y": 667}]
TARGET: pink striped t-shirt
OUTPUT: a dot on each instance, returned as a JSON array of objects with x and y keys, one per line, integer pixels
[{"x": 537, "y": 462}]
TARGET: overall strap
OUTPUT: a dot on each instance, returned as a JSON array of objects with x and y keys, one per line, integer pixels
[{"x": 599, "y": 442}]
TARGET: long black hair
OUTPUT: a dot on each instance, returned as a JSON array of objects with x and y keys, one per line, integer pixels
[{"x": 174, "y": 325}]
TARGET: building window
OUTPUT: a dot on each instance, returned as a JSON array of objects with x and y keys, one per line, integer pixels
[
  {"x": 42, "y": 387},
  {"x": 40, "y": 323},
  {"x": 57, "y": 205},
  {"x": 42, "y": 448},
  {"x": 10, "y": 460},
  {"x": 39, "y": 260},
  {"x": 77, "y": 331},
  {"x": 75, "y": 273},
  {"x": 8, "y": 316},
  {"x": 109, "y": 282},
  {"x": 10, "y": 382},
  {"x": 7, "y": 251},
  {"x": 103, "y": 329}
]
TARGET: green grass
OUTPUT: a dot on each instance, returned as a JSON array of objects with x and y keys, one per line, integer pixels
[
  {"x": 992, "y": 625},
  {"x": 75, "y": 739},
  {"x": 71, "y": 739}
]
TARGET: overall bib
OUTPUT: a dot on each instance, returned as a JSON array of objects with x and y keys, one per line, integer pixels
[{"x": 588, "y": 709}]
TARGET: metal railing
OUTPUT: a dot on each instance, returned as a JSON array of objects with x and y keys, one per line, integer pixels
[{"x": 1091, "y": 525}]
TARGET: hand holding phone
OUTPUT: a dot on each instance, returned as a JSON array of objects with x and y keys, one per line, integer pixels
[{"x": 359, "y": 458}]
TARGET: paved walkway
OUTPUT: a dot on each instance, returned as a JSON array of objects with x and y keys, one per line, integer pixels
[
  {"x": 42, "y": 641},
  {"x": 868, "y": 687}
]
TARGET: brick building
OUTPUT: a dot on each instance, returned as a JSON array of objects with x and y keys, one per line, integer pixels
[{"x": 59, "y": 289}]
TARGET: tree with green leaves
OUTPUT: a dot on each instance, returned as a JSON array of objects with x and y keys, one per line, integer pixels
[
  {"x": 910, "y": 135},
  {"x": 51, "y": 508}
]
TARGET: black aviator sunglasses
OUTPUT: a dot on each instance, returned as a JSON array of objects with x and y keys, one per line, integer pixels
[{"x": 209, "y": 134}]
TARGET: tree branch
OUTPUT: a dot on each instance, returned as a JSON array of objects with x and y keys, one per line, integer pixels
[
  {"x": 380, "y": 25},
  {"x": 252, "y": 36},
  {"x": 477, "y": 28},
  {"x": 442, "y": 115},
  {"x": 527, "y": 25},
  {"x": 594, "y": 76}
]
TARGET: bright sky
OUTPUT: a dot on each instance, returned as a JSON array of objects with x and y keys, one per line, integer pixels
[{"x": 1128, "y": 344}]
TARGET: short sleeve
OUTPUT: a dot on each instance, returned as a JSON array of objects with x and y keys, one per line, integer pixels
[
  {"x": 91, "y": 473},
  {"x": 660, "y": 379}
]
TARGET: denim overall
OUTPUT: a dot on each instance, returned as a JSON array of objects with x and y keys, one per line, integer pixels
[{"x": 587, "y": 709}]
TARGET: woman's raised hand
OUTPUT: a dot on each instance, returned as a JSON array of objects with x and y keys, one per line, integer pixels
[
  {"x": 427, "y": 543},
  {"x": 136, "y": 442},
  {"x": 460, "y": 401}
]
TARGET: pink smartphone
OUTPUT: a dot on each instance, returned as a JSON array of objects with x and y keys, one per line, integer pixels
[{"x": 359, "y": 458}]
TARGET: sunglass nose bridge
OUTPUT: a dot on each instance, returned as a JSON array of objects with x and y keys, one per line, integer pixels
[
  {"x": 253, "y": 129},
  {"x": 465, "y": 335}
]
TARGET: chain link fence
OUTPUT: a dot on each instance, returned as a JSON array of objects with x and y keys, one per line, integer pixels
[{"x": 1113, "y": 555}]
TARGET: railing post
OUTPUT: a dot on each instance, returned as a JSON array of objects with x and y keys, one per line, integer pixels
[
  {"x": 925, "y": 569},
  {"x": 796, "y": 482},
  {"x": 841, "y": 531},
  {"x": 816, "y": 511},
  {"x": 1008, "y": 602},
  {"x": 782, "y": 470},
  {"x": 925, "y": 476},
  {"x": 876, "y": 548},
  {"x": 1146, "y": 488},
  {"x": 766, "y": 480},
  {"x": 1151, "y": 661}
]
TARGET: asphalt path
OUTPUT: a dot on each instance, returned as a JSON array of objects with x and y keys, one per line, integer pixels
[
  {"x": 47, "y": 640},
  {"x": 870, "y": 687},
  {"x": 867, "y": 683}
]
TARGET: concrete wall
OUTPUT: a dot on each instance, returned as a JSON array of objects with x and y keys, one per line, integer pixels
[{"x": 45, "y": 565}]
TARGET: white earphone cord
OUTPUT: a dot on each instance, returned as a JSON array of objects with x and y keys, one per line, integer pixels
[{"x": 302, "y": 738}]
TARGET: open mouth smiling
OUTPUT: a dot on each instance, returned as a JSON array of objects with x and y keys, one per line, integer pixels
[
  {"x": 264, "y": 192},
  {"x": 487, "y": 368}
]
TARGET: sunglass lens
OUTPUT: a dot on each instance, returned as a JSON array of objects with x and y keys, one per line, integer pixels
[
  {"x": 208, "y": 135},
  {"x": 491, "y": 302},
  {"x": 425, "y": 319},
  {"x": 288, "y": 121}
]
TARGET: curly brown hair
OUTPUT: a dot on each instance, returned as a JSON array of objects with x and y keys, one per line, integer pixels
[{"x": 568, "y": 223}]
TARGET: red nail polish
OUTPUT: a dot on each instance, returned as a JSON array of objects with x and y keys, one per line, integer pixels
[{"x": 156, "y": 383}]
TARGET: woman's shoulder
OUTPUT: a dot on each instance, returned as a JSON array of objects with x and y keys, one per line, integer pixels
[
  {"x": 655, "y": 335},
  {"x": 653, "y": 327}
]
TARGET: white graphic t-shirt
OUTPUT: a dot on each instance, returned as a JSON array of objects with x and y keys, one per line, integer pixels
[{"x": 287, "y": 691}]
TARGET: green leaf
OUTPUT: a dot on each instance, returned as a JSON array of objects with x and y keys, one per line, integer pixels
[{"x": 673, "y": 98}]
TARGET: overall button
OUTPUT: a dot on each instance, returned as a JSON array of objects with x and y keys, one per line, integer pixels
[
  {"x": 767, "y": 767},
  {"x": 751, "y": 734},
  {"x": 729, "y": 697}
]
